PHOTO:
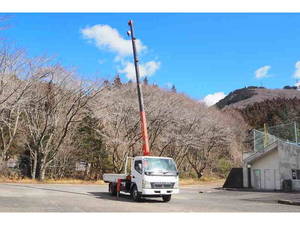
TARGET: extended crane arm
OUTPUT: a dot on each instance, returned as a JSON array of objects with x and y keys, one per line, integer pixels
[{"x": 140, "y": 94}]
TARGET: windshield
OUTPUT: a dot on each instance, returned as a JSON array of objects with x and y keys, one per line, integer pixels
[{"x": 159, "y": 165}]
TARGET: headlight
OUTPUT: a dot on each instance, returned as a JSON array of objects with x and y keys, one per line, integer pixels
[{"x": 146, "y": 184}]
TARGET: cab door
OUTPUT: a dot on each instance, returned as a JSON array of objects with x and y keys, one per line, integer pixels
[{"x": 137, "y": 173}]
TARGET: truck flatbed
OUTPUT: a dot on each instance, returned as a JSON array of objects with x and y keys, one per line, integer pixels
[{"x": 110, "y": 177}]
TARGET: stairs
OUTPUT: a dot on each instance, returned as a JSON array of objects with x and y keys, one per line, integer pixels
[{"x": 260, "y": 153}]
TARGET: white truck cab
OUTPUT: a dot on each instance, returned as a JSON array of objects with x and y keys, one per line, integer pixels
[
  {"x": 150, "y": 176},
  {"x": 155, "y": 176}
]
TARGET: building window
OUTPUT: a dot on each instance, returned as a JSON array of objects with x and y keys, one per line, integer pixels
[{"x": 295, "y": 174}]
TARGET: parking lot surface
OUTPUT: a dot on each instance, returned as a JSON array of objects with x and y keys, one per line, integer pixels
[{"x": 95, "y": 198}]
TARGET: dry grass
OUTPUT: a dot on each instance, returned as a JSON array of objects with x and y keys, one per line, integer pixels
[
  {"x": 73, "y": 181},
  {"x": 50, "y": 181},
  {"x": 182, "y": 181},
  {"x": 201, "y": 181}
]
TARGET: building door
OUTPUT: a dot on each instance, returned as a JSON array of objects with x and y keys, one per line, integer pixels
[
  {"x": 269, "y": 178},
  {"x": 256, "y": 179}
]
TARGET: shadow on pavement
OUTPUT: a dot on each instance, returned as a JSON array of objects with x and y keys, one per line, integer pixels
[
  {"x": 122, "y": 197},
  {"x": 108, "y": 196},
  {"x": 256, "y": 191},
  {"x": 45, "y": 189},
  {"x": 102, "y": 195}
]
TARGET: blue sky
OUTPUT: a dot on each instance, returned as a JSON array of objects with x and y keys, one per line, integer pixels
[{"x": 201, "y": 54}]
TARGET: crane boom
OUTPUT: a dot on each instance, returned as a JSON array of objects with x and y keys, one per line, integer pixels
[
  {"x": 144, "y": 178},
  {"x": 144, "y": 131}
]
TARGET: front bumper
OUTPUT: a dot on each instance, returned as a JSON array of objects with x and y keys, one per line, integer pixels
[{"x": 160, "y": 191}]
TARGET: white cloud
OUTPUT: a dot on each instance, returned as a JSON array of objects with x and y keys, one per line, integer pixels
[
  {"x": 262, "y": 72},
  {"x": 297, "y": 72},
  {"x": 212, "y": 99},
  {"x": 101, "y": 61},
  {"x": 106, "y": 37},
  {"x": 146, "y": 69}
]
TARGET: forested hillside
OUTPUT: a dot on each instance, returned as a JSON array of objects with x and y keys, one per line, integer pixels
[
  {"x": 56, "y": 125},
  {"x": 259, "y": 105}
]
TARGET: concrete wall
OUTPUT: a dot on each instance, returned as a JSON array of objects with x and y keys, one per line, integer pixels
[
  {"x": 269, "y": 163},
  {"x": 276, "y": 165},
  {"x": 245, "y": 176},
  {"x": 289, "y": 158}
]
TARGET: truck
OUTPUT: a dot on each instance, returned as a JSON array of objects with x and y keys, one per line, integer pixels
[{"x": 146, "y": 175}]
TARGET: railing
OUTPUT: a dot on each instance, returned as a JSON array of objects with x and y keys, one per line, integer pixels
[
  {"x": 262, "y": 140},
  {"x": 260, "y": 152},
  {"x": 267, "y": 138},
  {"x": 287, "y": 132}
]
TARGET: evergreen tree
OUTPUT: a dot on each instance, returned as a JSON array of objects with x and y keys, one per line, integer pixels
[
  {"x": 106, "y": 83},
  {"x": 145, "y": 81},
  {"x": 173, "y": 89},
  {"x": 91, "y": 148},
  {"x": 117, "y": 81}
]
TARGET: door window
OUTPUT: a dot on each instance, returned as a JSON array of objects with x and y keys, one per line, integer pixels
[{"x": 138, "y": 166}]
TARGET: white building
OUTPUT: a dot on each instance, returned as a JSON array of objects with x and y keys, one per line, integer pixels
[{"x": 270, "y": 166}]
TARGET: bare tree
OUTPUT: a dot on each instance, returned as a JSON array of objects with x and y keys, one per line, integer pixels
[
  {"x": 15, "y": 81},
  {"x": 178, "y": 126},
  {"x": 56, "y": 104},
  {"x": 118, "y": 122}
]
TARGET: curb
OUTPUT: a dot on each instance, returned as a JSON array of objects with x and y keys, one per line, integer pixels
[{"x": 289, "y": 202}]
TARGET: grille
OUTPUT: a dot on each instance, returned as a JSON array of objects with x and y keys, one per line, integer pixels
[{"x": 160, "y": 185}]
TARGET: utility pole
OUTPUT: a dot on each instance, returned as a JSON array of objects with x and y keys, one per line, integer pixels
[
  {"x": 254, "y": 140},
  {"x": 266, "y": 135},
  {"x": 296, "y": 132},
  {"x": 139, "y": 92}
]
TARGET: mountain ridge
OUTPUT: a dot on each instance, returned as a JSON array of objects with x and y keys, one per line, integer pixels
[{"x": 259, "y": 105}]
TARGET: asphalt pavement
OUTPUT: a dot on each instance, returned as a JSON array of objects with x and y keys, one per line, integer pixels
[{"x": 95, "y": 198}]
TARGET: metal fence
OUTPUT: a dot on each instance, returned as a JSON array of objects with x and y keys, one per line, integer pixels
[
  {"x": 264, "y": 137},
  {"x": 262, "y": 140}
]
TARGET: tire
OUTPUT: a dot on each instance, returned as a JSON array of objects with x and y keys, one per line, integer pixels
[
  {"x": 166, "y": 198},
  {"x": 135, "y": 195},
  {"x": 112, "y": 189}
]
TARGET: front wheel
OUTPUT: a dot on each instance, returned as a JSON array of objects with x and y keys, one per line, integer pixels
[
  {"x": 135, "y": 195},
  {"x": 166, "y": 198}
]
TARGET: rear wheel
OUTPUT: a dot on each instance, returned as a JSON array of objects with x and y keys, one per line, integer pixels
[
  {"x": 166, "y": 198},
  {"x": 135, "y": 195},
  {"x": 112, "y": 189}
]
